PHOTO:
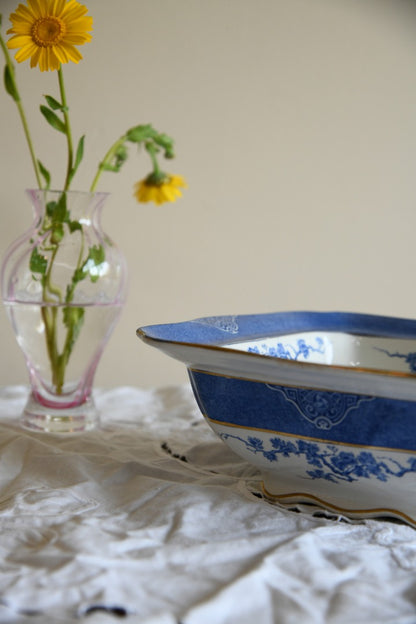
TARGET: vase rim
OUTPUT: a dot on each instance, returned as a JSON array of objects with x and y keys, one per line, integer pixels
[{"x": 32, "y": 191}]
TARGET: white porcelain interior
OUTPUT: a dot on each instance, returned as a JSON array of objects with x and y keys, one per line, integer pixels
[{"x": 337, "y": 349}]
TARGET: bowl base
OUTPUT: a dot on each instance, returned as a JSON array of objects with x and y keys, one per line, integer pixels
[{"x": 303, "y": 501}]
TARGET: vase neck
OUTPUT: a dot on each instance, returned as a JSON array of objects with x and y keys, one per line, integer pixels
[{"x": 80, "y": 206}]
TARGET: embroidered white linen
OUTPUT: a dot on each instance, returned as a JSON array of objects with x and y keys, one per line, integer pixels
[{"x": 153, "y": 520}]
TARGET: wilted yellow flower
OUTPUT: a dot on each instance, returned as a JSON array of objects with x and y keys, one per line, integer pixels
[
  {"x": 47, "y": 31},
  {"x": 159, "y": 192}
]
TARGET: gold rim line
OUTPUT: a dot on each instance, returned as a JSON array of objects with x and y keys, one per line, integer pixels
[
  {"x": 225, "y": 347},
  {"x": 303, "y": 437},
  {"x": 301, "y": 496}
]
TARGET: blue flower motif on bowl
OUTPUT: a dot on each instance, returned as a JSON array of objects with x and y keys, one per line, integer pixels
[
  {"x": 329, "y": 461},
  {"x": 289, "y": 351},
  {"x": 409, "y": 358},
  {"x": 323, "y": 404}
]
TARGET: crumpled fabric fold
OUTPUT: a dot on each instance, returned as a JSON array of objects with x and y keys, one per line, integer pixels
[{"x": 153, "y": 520}]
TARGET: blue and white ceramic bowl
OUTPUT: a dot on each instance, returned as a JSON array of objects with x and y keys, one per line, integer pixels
[{"x": 324, "y": 404}]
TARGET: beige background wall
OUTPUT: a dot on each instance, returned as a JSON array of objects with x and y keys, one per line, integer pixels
[{"x": 295, "y": 123}]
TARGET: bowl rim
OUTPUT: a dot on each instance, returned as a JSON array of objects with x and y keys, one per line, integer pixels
[{"x": 190, "y": 341}]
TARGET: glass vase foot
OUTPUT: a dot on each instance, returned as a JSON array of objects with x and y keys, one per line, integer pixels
[{"x": 65, "y": 420}]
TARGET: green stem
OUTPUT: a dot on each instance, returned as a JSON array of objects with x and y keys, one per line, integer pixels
[
  {"x": 152, "y": 151},
  {"x": 51, "y": 294},
  {"x": 61, "y": 362},
  {"x": 49, "y": 316},
  {"x": 68, "y": 128},
  {"x": 107, "y": 160},
  {"x": 48, "y": 287},
  {"x": 49, "y": 320},
  {"x": 22, "y": 114}
]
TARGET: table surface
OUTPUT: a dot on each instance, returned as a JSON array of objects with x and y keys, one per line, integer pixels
[{"x": 153, "y": 520}]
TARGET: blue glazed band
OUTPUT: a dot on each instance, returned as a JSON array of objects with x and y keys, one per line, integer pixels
[{"x": 314, "y": 414}]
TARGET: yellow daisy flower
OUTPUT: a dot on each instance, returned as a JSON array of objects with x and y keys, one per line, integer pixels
[
  {"x": 148, "y": 190},
  {"x": 47, "y": 31}
]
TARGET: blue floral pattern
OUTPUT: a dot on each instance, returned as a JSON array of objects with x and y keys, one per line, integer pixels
[
  {"x": 288, "y": 351},
  {"x": 328, "y": 461},
  {"x": 410, "y": 358}
]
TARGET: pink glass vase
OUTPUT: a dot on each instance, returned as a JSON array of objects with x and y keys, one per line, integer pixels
[{"x": 63, "y": 286}]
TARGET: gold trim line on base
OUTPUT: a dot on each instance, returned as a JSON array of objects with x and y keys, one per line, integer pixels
[
  {"x": 303, "y": 437},
  {"x": 301, "y": 497}
]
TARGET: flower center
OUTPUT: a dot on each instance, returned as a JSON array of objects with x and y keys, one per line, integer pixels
[{"x": 48, "y": 31}]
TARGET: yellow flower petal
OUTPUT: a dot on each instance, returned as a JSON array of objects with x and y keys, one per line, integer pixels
[
  {"x": 37, "y": 7},
  {"x": 61, "y": 54},
  {"x": 20, "y": 41},
  {"x": 25, "y": 53},
  {"x": 159, "y": 193},
  {"x": 25, "y": 14},
  {"x": 47, "y": 31},
  {"x": 58, "y": 7}
]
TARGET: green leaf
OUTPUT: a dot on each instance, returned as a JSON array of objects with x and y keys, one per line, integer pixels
[
  {"x": 97, "y": 254},
  {"x": 9, "y": 83},
  {"x": 108, "y": 167},
  {"x": 78, "y": 158},
  {"x": 50, "y": 207},
  {"x": 61, "y": 212},
  {"x": 38, "y": 263},
  {"x": 54, "y": 104},
  {"x": 46, "y": 175},
  {"x": 118, "y": 160},
  {"x": 57, "y": 210},
  {"x": 73, "y": 318},
  {"x": 74, "y": 226},
  {"x": 80, "y": 152},
  {"x": 78, "y": 276},
  {"x": 164, "y": 141},
  {"x": 57, "y": 233},
  {"x": 138, "y": 134},
  {"x": 53, "y": 119}
]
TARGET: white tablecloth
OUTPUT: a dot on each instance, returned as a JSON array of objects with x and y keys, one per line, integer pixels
[{"x": 152, "y": 520}]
